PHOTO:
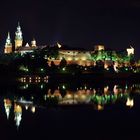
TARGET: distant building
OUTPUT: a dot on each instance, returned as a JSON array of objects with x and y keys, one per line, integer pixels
[
  {"x": 99, "y": 47},
  {"x": 130, "y": 51}
]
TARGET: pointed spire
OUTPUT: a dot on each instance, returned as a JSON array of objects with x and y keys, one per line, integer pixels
[
  {"x": 27, "y": 45},
  {"x": 18, "y": 23},
  {"x": 8, "y": 40},
  {"x": 8, "y": 35},
  {"x": 18, "y": 33}
]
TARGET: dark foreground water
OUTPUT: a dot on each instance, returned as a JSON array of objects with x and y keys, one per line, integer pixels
[{"x": 96, "y": 110}]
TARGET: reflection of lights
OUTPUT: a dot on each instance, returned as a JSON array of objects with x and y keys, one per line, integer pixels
[
  {"x": 94, "y": 91},
  {"x": 68, "y": 96},
  {"x": 7, "y": 105},
  {"x": 45, "y": 97},
  {"x": 33, "y": 109},
  {"x": 63, "y": 87},
  {"x": 26, "y": 107},
  {"x": 83, "y": 97},
  {"x": 18, "y": 114},
  {"x": 83, "y": 58},
  {"x": 75, "y": 96},
  {"x": 115, "y": 89},
  {"x": 106, "y": 89},
  {"x": 100, "y": 107},
  {"x": 42, "y": 86},
  {"x": 64, "y": 69},
  {"x": 130, "y": 102},
  {"x": 32, "y": 97},
  {"x": 27, "y": 86},
  {"x": 69, "y": 58}
]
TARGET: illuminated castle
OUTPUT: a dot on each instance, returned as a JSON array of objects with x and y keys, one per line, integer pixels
[
  {"x": 71, "y": 55},
  {"x": 18, "y": 48}
]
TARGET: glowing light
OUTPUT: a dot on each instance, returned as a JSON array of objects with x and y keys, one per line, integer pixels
[
  {"x": 59, "y": 45},
  {"x": 100, "y": 107},
  {"x": 42, "y": 86},
  {"x": 83, "y": 58},
  {"x": 45, "y": 97},
  {"x": 68, "y": 96},
  {"x": 64, "y": 69},
  {"x": 33, "y": 109},
  {"x": 76, "y": 58},
  {"x": 26, "y": 107},
  {"x": 27, "y": 86},
  {"x": 32, "y": 97},
  {"x": 130, "y": 51},
  {"x": 130, "y": 102},
  {"x": 69, "y": 58},
  {"x": 63, "y": 87},
  {"x": 7, "y": 105}
]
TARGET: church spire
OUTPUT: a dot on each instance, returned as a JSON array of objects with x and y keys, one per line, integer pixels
[
  {"x": 18, "y": 33},
  {"x": 8, "y": 44},
  {"x": 8, "y": 40},
  {"x": 18, "y": 37}
]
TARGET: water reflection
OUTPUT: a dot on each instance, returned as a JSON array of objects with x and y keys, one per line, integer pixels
[{"x": 30, "y": 97}]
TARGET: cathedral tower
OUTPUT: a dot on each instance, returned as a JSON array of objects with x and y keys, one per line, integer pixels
[
  {"x": 8, "y": 45},
  {"x": 18, "y": 37},
  {"x": 33, "y": 43}
]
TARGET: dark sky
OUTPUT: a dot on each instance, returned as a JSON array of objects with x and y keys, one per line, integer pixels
[{"x": 78, "y": 23}]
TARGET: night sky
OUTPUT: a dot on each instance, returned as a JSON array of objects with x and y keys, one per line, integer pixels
[{"x": 77, "y": 23}]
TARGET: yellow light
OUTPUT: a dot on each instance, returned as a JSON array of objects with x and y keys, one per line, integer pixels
[
  {"x": 68, "y": 96},
  {"x": 17, "y": 108},
  {"x": 100, "y": 107},
  {"x": 83, "y": 58},
  {"x": 33, "y": 109},
  {"x": 130, "y": 102},
  {"x": 76, "y": 58},
  {"x": 69, "y": 58}
]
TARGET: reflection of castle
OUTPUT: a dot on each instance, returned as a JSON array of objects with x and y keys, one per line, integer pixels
[
  {"x": 7, "y": 106},
  {"x": 18, "y": 114}
]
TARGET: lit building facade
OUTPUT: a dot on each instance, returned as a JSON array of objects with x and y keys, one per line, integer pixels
[
  {"x": 18, "y": 38},
  {"x": 8, "y": 45},
  {"x": 71, "y": 55},
  {"x": 19, "y": 47}
]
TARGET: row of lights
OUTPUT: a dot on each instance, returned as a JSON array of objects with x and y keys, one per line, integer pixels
[{"x": 37, "y": 79}]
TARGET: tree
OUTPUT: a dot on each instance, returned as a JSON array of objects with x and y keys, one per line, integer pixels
[{"x": 63, "y": 63}]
